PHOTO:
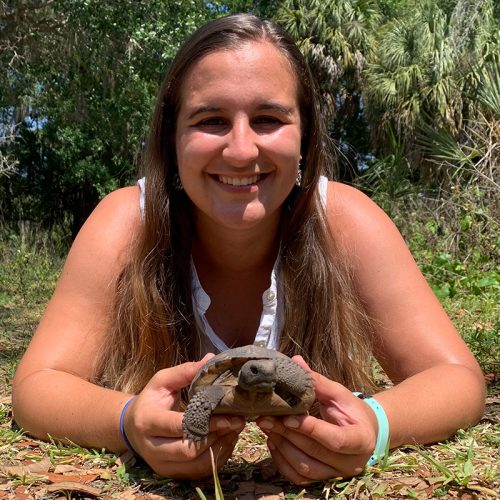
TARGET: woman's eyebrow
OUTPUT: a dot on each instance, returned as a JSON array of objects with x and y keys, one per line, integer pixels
[
  {"x": 268, "y": 106},
  {"x": 204, "y": 109},
  {"x": 274, "y": 106}
]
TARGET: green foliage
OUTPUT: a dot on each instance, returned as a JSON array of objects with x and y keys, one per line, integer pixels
[
  {"x": 79, "y": 98},
  {"x": 336, "y": 38},
  {"x": 426, "y": 69},
  {"x": 388, "y": 179}
]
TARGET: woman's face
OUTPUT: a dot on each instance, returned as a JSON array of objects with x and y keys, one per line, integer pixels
[{"x": 238, "y": 135}]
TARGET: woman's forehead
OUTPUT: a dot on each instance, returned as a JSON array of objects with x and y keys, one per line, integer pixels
[{"x": 246, "y": 69}]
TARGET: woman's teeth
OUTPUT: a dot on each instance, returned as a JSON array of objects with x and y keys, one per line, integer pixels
[{"x": 239, "y": 181}]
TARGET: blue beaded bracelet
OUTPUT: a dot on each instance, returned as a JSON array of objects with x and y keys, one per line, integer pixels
[
  {"x": 383, "y": 427},
  {"x": 122, "y": 428}
]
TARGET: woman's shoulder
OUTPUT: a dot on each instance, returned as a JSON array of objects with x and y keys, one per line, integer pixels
[
  {"x": 348, "y": 205},
  {"x": 119, "y": 206},
  {"x": 360, "y": 226},
  {"x": 112, "y": 226}
]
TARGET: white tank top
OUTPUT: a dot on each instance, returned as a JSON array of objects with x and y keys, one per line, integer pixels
[{"x": 272, "y": 317}]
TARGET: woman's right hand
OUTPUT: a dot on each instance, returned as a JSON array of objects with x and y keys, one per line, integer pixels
[{"x": 154, "y": 428}]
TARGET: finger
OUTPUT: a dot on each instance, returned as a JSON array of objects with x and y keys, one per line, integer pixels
[
  {"x": 321, "y": 437},
  {"x": 176, "y": 377},
  {"x": 199, "y": 466},
  {"x": 169, "y": 424},
  {"x": 285, "y": 468},
  {"x": 327, "y": 390},
  {"x": 305, "y": 465},
  {"x": 161, "y": 423},
  {"x": 343, "y": 464},
  {"x": 180, "y": 449}
]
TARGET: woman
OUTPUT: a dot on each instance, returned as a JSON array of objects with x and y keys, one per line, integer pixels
[{"x": 233, "y": 231}]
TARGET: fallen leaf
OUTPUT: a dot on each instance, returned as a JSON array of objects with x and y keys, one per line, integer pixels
[
  {"x": 26, "y": 444},
  {"x": 126, "y": 458},
  {"x": 32, "y": 468},
  {"x": 81, "y": 478},
  {"x": 128, "y": 494},
  {"x": 21, "y": 493},
  {"x": 70, "y": 486},
  {"x": 62, "y": 469},
  {"x": 245, "y": 488}
]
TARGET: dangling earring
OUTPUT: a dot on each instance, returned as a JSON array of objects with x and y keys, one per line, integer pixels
[
  {"x": 298, "y": 179},
  {"x": 177, "y": 184}
]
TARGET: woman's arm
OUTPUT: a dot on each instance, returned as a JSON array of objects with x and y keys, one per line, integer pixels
[
  {"x": 438, "y": 388},
  {"x": 53, "y": 391}
]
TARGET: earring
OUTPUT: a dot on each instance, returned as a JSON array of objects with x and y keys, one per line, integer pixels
[
  {"x": 177, "y": 184},
  {"x": 298, "y": 179}
]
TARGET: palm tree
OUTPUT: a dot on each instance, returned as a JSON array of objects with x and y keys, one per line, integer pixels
[
  {"x": 336, "y": 37},
  {"x": 424, "y": 69}
]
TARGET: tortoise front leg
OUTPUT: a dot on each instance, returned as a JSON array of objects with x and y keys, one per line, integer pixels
[
  {"x": 296, "y": 381},
  {"x": 196, "y": 421}
]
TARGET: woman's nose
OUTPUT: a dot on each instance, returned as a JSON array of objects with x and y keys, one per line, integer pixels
[{"x": 241, "y": 147}]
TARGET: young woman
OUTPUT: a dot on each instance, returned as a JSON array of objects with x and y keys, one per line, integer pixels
[{"x": 234, "y": 237}]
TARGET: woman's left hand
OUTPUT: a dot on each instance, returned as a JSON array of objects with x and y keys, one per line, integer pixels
[{"x": 307, "y": 449}]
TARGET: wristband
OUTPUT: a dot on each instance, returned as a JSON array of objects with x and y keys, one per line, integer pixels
[
  {"x": 383, "y": 427},
  {"x": 122, "y": 428}
]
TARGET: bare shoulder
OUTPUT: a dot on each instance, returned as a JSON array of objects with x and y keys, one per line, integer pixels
[
  {"x": 111, "y": 227},
  {"x": 356, "y": 220},
  {"x": 413, "y": 331},
  {"x": 77, "y": 317}
]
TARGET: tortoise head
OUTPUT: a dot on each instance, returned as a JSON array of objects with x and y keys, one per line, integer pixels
[{"x": 258, "y": 375}]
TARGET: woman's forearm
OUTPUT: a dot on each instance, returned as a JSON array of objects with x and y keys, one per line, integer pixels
[
  {"x": 433, "y": 404},
  {"x": 62, "y": 406}
]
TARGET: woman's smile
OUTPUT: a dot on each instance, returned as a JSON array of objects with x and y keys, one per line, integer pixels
[{"x": 239, "y": 181}]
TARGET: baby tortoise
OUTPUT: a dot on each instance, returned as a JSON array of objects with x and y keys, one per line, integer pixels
[{"x": 249, "y": 381}]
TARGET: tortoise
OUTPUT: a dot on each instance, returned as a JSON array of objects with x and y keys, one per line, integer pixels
[{"x": 250, "y": 381}]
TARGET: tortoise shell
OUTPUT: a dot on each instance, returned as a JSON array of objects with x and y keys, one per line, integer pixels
[{"x": 250, "y": 381}]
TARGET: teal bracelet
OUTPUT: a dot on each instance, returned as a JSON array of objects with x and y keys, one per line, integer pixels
[{"x": 383, "y": 427}]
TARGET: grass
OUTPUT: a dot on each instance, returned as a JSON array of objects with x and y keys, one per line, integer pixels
[{"x": 465, "y": 466}]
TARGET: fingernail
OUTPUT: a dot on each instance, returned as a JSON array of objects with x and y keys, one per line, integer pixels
[
  {"x": 291, "y": 422},
  {"x": 271, "y": 445},
  {"x": 266, "y": 424}
]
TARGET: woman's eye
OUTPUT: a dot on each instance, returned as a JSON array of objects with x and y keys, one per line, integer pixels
[
  {"x": 266, "y": 119},
  {"x": 212, "y": 122},
  {"x": 267, "y": 123}
]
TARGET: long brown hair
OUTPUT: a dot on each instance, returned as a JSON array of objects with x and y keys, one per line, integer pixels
[{"x": 153, "y": 324}]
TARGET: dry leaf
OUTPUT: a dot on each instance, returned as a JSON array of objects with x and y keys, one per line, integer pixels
[
  {"x": 26, "y": 444},
  {"x": 61, "y": 469},
  {"x": 71, "y": 486},
  {"x": 21, "y": 493},
  {"x": 245, "y": 488},
  {"x": 128, "y": 494},
  {"x": 81, "y": 478},
  {"x": 39, "y": 467}
]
